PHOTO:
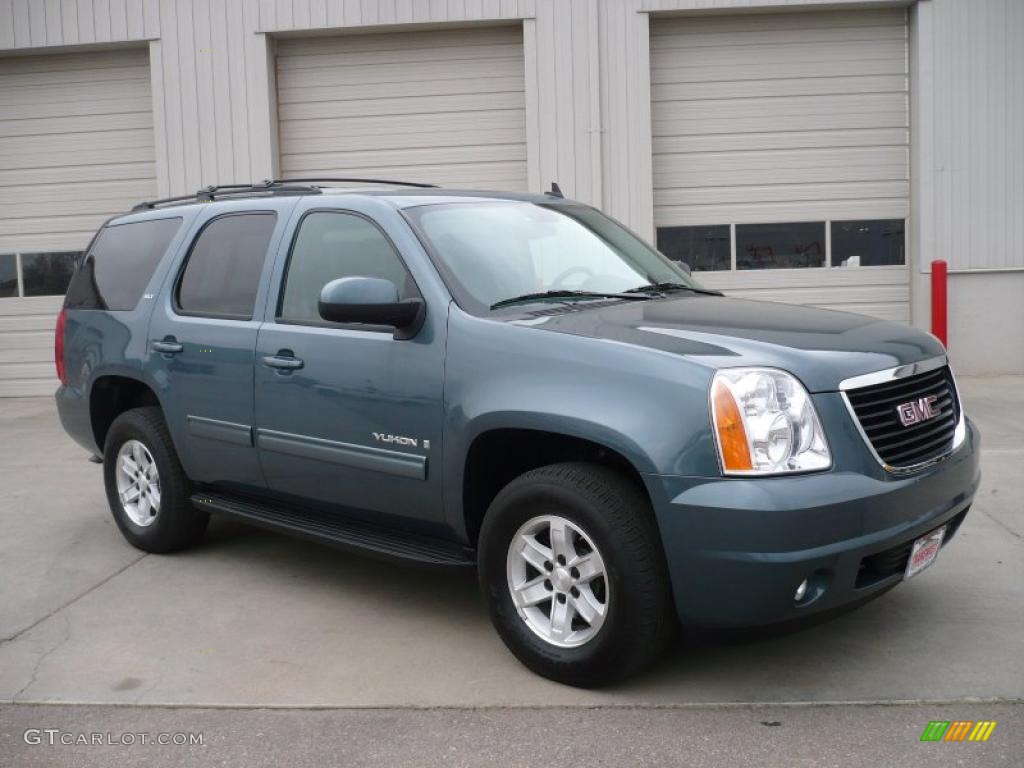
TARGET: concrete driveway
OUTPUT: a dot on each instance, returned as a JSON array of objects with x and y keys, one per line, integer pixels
[{"x": 254, "y": 619}]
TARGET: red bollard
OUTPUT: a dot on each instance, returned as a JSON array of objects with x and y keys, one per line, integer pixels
[{"x": 940, "y": 301}]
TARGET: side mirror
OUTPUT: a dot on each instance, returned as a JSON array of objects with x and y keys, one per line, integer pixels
[
  {"x": 685, "y": 267},
  {"x": 372, "y": 301}
]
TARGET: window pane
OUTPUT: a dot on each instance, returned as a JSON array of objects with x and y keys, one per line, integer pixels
[
  {"x": 120, "y": 263},
  {"x": 47, "y": 274},
  {"x": 868, "y": 243},
  {"x": 8, "y": 275},
  {"x": 331, "y": 246},
  {"x": 703, "y": 248},
  {"x": 780, "y": 246},
  {"x": 223, "y": 271}
]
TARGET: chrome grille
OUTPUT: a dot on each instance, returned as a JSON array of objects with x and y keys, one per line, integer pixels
[{"x": 899, "y": 446}]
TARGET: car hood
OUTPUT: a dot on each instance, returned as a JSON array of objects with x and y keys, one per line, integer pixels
[{"x": 821, "y": 347}]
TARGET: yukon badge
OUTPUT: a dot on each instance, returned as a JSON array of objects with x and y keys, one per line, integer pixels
[
  {"x": 917, "y": 411},
  {"x": 412, "y": 442}
]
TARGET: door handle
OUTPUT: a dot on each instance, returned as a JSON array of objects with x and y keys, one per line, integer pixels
[
  {"x": 167, "y": 346},
  {"x": 283, "y": 363}
]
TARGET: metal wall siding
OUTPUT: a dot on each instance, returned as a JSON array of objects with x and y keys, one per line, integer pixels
[{"x": 977, "y": 163}]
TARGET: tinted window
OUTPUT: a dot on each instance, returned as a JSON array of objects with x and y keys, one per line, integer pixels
[
  {"x": 330, "y": 246},
  {"x": 8, "y": 275},
  {"x": 780, "y": 246},
  {"x": 703, "y": 248},
  {"x": 120, "y": 263},
  {"x": 868, "y": 243},
  {"x": 47, "y": 274},
  {"x": 223, "y": 271}
]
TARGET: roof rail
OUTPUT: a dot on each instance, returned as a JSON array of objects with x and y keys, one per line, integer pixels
[
  {"x": 220, "y": 191},
  {"x": 317, "y": 179},
  {"x": 304, "y": 186}
]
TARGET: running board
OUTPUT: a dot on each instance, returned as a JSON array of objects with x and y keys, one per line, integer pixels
[{"x": 338, "y": 532}]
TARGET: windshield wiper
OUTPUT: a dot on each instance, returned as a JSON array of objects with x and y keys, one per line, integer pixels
[
  {"x": 567, "y": 294},
  {"x": 670, "y": 286}
]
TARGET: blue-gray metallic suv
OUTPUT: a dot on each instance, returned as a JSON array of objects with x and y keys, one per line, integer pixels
[{"x": 515, "y": 383}]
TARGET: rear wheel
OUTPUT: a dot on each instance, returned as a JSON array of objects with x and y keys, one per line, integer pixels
[
  {"x": 148, "y": 492},
  {"x": 572, "y": 568}
]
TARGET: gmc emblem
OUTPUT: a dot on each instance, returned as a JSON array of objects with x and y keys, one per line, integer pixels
[{"x": 917, "y": 411}]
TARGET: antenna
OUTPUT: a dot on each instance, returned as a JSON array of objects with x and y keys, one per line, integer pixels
[{"x": 555, "y": 190}]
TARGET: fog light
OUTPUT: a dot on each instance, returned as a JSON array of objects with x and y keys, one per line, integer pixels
[{"x": 800, "y": 591}]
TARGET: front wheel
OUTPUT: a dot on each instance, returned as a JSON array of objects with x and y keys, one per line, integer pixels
[{"x": 573, "y": 572}]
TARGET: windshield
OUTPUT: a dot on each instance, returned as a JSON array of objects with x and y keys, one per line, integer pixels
[{"x": 494, "y": 251}]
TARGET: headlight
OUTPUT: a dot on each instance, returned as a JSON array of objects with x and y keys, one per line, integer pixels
[{"x": 765, "y": 423}]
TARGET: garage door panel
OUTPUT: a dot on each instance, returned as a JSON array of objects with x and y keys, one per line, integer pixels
[
  {"x": 693, "y": 34},
  {"x": 450, "y": 86},
  {"x": 744, "y": 54},
  {"x": 797, "y": 86},
  {"x": 725, "y": 142},
  {"x": 752, "y": 24},
  {"x": 440, "y": 107},
  {"x": 448, "y": 53},
  {"x": 689, "y": 196},
  {"x": 396, "y": 73},
  {"x": 811, "y": 122},
  {"x": 409, "y": 105},
  {"x": 770, "y": 70},
  {"x": 65, "y": 109},
  {"x": 299, "y": 49},
  {"x": 782, "y": 211},
  {"x": 755, "y": 109},
  {"x": 65, "y": 127},
  {"x": 371, "y": 158}
]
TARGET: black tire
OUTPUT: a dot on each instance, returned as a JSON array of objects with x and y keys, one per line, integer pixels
[
  {"x": 178, "y": 524},
  {"x": 615, "y": 514}
]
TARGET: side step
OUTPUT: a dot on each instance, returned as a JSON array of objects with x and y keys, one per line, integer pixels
[{"x": 339, "y": 532}]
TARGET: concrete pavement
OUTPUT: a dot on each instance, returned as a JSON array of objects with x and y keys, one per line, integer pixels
[{"x": 254, "y": 619}]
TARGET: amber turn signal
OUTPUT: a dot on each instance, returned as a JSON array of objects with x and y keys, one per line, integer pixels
[{"x": 732, "y": 436}]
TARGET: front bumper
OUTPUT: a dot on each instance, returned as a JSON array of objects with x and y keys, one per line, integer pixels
[{"x": 737, "y": 548}]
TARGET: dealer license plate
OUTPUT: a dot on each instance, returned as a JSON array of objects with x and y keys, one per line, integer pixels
[{"x": 924, "y": 552}]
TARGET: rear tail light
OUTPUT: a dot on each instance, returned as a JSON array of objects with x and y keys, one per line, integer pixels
[{"x": 58, "y": 346}]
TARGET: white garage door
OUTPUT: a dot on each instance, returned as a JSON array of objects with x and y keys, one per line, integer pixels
[
  {"x": 443, "y": 107},
  {"x": 76, "y": 145},
  {"x": 781, "y": 159}
]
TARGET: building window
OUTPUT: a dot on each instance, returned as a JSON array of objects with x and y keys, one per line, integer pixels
[
  {"x": 780, "y": 246},
  {"x": 868, "y": 243},
  {"x": 704, "y": 249},
  {"x": 8, "y": 275},
  {"x": 792, "y": 245}
]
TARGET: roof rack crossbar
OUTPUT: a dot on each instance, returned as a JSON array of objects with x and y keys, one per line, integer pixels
[
  {"x": 269, "y": 187},
  {"x": 349, "y": 180},
  {"x": 213, "y": 192}
]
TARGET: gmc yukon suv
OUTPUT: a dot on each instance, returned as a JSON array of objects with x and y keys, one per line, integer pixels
[{"x": 514, "y": 383}]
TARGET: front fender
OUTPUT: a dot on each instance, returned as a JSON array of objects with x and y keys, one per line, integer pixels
[{"x": 650, "y": 407}]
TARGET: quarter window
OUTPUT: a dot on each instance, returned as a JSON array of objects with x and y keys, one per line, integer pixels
[
  {"x": 119, "y": 264},
  {"x": 222, "y": 275},
  {"x": 331, "y": 245}
]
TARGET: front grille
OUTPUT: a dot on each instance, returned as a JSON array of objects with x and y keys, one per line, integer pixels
[{"x": 899, "y": 446}]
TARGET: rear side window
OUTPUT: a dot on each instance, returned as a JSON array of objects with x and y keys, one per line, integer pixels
[
  {"x": 120, "y": 263},
  {"x": 331, "y": 245},
  {"x": 222, "y": 274}
]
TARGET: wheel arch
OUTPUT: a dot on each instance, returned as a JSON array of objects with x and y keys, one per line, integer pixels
[
  {"x": 111, "y": 394},
  {"x": 502, "y": 449}
]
